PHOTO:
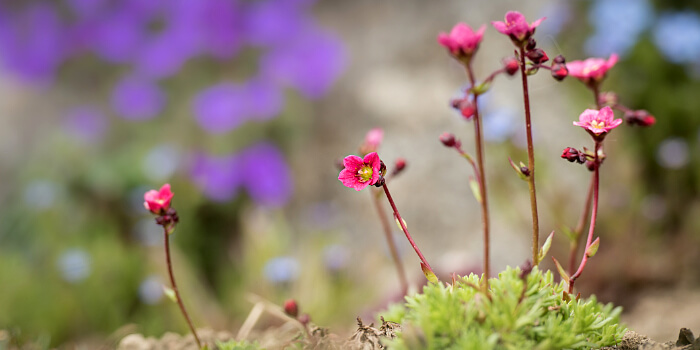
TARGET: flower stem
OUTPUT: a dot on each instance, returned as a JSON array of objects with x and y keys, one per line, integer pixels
[
  {"x": 404, "y": 229},
  {"x": 403, "y": 280},
  {"x": 579, "y": 227},
  {"x": 530, "y": 162},
  {"x": 589, "y": 196},
  {"x": 478, "y": 140},
  {"x": 174, "y": 285},
  {"x": 594, "y": 213}
]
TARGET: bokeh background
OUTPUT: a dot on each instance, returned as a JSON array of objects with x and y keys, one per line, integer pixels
[{"x": 245, "y": 108}]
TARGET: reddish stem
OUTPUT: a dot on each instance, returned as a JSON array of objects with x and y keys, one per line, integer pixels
[
  {"x": 530, "y": 162},
  {"x": 594, "y": 213},
  {"x": 174, "y": 285},
  {"x": 404, "y": 229},
  {"x": 584, "y": 214},
  {"x": 482, "y": 178},
  {"x": 403, "y": 280}
]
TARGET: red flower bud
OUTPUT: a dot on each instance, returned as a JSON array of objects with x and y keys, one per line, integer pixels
[
  {"x": 291, "y": 308},
  {"x": 573, "y": 155},
  {"x": 559, "y": 59},
  {"x": 399, "y": 165},
  {"x": 531, "y": 44},
  {"x": 537, "y": 56},
  {"x": 511, "y": 65},
  {"x": 448, "y": 139},
  {"x": 559, "y": 71},
  {"x": 304, "y": 319},
  {"x": 640, "y": 117}
]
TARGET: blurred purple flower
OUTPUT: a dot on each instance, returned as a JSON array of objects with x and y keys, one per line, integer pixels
[
  {"x": 273, "y": 22},
  {"x": 162, "y": 56},
  {"x": 221, "y": 29},
  {"x": 135, "y": 98},
  {"x": 219, "y": 177},
  {"x": 310, "y": 64},
  {"x": 87, "y": 8},
  {"x": 221, "y": 108},
  {"x": 86, "y": 123},
  {"x": 32, "y": 41},
  {"x": 266, "y": 175},
  {"x": 225, "y": 106},
  {"x": 118, "y": 37}
]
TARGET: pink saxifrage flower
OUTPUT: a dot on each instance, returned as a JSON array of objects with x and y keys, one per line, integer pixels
[
  {"x": 157, "y": 202},
  {"x": 360, "y": 173},
  {"x": 373, "y": 140},
  {"x": 592, "y": 69},
  {"x": 462, "y": 41},
  {"x": 598, "y": 122},
  {"x": 516, "y": 26}
]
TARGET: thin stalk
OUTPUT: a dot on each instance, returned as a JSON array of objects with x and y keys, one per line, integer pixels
[
  {"x": 582, "y": 219},
  {"x": 530, "y": 162},
  {"x": 403, "y": 280},
  {"x": 482, "y": 178},
  {"x": 174, "y": 285},
  {"x": 404, "y": 229},
  {"x": 579, "y": 227},
  {"x": 594, "y": 213}
]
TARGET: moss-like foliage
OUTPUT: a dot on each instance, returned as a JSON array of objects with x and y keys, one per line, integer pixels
[
  {"x": 529, "y": 313},
  {"x": 237, "y": 345}
]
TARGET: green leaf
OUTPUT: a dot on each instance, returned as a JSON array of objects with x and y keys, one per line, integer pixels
[
  {"x": 428, "y": 274},
  {"x": 569, "y": 233},
  {"x": 593, "y": 248},
  {"x": 545, "y": 247},
  {"x": 562, "y": 272},
  {"x": 474, "y": 185},
  {"x": 170, "y": 293},
  {"x": 517, "y": 169}
]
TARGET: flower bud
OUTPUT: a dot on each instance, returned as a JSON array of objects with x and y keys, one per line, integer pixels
[
  {"x": 573, "y": 155},
  {"x": 607, "y": 98},
  {"x": 525, "y": 171},
  {"x": 537, "y": 56},
  {"x": 448, "y": 139},
  {"x": 525, "y": 269},
  {"x": 399, "y": 166},
  {"x": 511, "y": 65},
  {"x": 531, "y": 44},
  {"x": 559, "y": 71},
  {"x": 291, "y": 308},
  {"x": 304, "y": 319},
  {"x": 640, "y": 117}
]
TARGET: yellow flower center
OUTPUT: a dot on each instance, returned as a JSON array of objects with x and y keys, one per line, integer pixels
[
  {"x": 588, "y": 69},
  {"x": 598, "y": 124},
  {"x": 365, "y": 173}
]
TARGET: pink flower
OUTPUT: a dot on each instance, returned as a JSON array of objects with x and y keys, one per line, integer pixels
[
  {"x": 462, "y": 40},
  {"x": 360, "y": 173},
  {"x": 373, "y": 140},
  {"x": 592, "y": 69},
  {"x": 157, "y": 202},
  {"x": 598, "y": 122},
  {"x": 516, "y": 26}
]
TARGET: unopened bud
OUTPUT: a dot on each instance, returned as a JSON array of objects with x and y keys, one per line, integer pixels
[
  {"x": 590, "y": 165},
  {"x": 531, "y": 44},
  {"x": 559, "y": 71},
  {"x": 537, "y": 56},
  {"x": 640, "y": 117},
  {"x": 465, "y": 107},
  {"x": 525, "y": 269},
  {"x": 291, "y": 308},
  {"x": 571, "y": 154},
  {"x": 448, "y": 139},
  {"x": 511, "y": 65},
  {"x": 304, "y": 319},
  {"x": 559, "y": 59},
  {"x": 607, "y": 98},
  {"x": 525, "y": 171},
  {"x": 399, "y": 166}
]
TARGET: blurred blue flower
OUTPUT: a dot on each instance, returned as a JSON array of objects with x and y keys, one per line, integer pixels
[
  {"x": 336, "y": 257},
  {"x": 672, "y": 153},
  {"x": 147, "y": 232},
  {"x": 74, "y": 265},
  {"x": 136, "y": 98},
  {"x": 613, "y": 35},
  {"x": 86, "y": 123},
  {"x": 267, "y": 176},
  {"x": 160, "y": 162},
  {"x": 221, "y": 108},
  {"x": 283, "y": 269},
  {"x": 41, "y": 194},
  {"x": 558, "y": 14},
  {"x": 218, "y": 177},
  {"x": 118, "y": 37},
  {"x": 151, "y": 290},
  {"x": 677, "y": 35},
  {"x": 272, "y": 23},
  {"x": 500, "y": 124}
]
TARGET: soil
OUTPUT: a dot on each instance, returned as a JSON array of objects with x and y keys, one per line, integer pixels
[{"x": 366, "y": 337}]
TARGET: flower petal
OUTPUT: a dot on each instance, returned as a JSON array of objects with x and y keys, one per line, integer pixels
[
  {"x": 536, "y": 23},
  {"x": 606, "y": 115},
  {"x": 513, "y": 17},
  {"x": 500, "y": 27},
  {"x": 372, "y": 159},
  {"x": 587, "y": 116},
  {"x": 352, "y": 163}
]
